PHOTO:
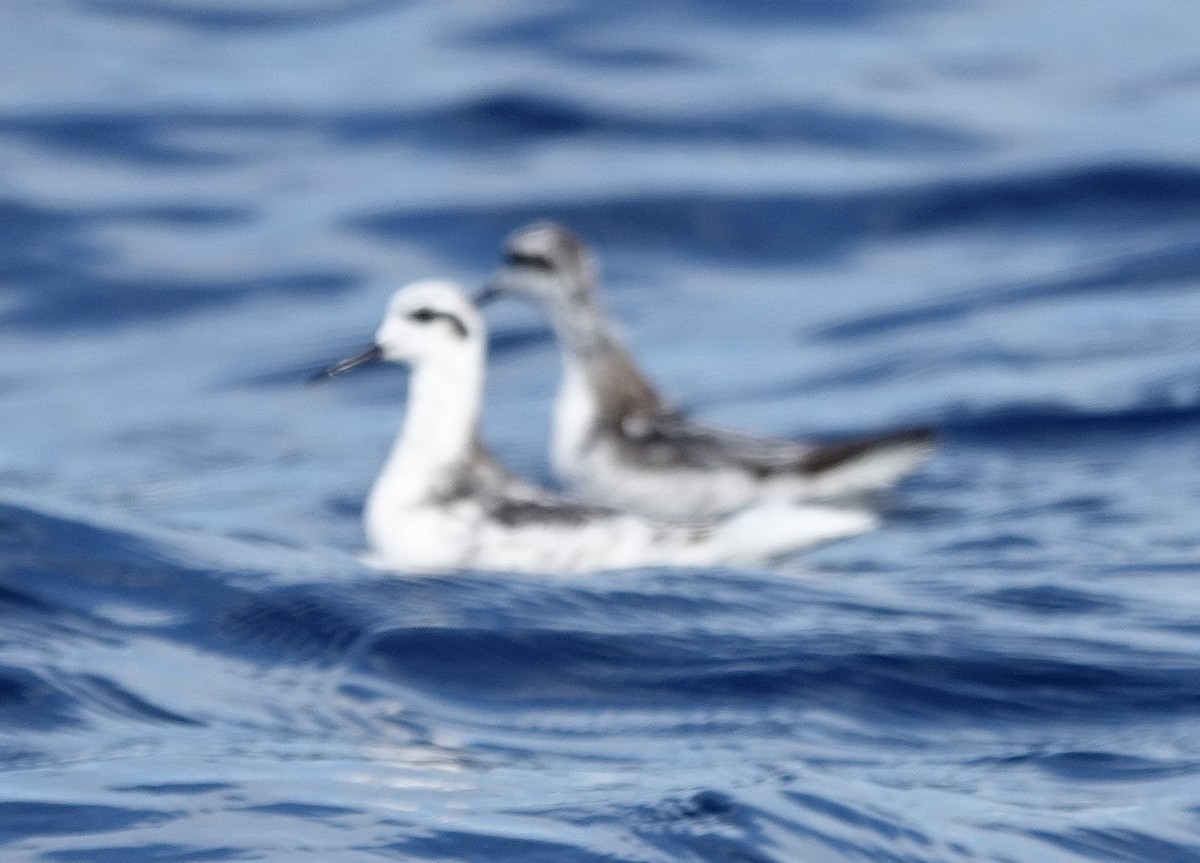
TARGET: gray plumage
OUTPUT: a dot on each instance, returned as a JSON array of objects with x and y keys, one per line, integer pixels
[{"x": 639, "y": 430}]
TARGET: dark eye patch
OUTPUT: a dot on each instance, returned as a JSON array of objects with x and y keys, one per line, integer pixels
[
  {"x": 534, "y": 262},
  {"x": 425, "y": 315}
]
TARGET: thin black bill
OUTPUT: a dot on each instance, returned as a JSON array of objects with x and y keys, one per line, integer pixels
[
  {"x": 372, "y": 354},
  {"x": 487, "y": 294}
]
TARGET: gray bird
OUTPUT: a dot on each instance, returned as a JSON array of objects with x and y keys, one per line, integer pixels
[{"x": 616, "y": 440}]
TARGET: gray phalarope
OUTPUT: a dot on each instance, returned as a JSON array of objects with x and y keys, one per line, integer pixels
[{"x": 616, "y": 441}]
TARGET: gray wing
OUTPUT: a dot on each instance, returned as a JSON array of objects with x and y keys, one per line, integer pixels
[
  {"x": 513, "y": 501},
  {"x": 668, "y": 439}
]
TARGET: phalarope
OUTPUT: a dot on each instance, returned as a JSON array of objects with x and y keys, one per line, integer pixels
[
  {"x": 442, "y": 501},
  {"x": 615, "y": 440}
]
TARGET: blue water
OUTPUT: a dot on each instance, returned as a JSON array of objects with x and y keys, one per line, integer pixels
[{"x": 814, "y": 217}]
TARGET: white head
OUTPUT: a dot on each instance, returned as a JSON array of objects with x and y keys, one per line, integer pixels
[{"x": 426, "y": 322}]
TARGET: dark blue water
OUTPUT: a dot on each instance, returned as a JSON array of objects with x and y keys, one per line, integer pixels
[{"x": 815, "y": 217}]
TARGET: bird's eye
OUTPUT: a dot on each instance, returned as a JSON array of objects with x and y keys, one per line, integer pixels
[
  {"x": 533, "y": 262},
  {"x": 425, "y": 314}
]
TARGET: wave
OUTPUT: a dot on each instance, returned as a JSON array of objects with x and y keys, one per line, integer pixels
[
  {"x": 491, "y": 122},
  {"x": 1175, "y": 265},
  {"x": 50, "y": 265},
  {"x": 521, "y": 121},
  {"x": 1065, "y": 424},
  {"x": 251, "y": 17},
  {"x": 812, "y": 227},
  {"x": 542, "y": 666}
]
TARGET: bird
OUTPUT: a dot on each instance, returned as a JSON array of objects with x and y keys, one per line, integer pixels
[
  {"x": 443, "y": 502},
  {"x": 616, "y": 440}
]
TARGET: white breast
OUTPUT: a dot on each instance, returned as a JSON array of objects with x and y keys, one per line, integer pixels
[
  {"x": 420, "y": 538},
  {"x": 574, "y": 418}
]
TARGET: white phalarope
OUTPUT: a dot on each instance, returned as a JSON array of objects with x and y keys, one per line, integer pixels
[{"x": 443, "y": 502}]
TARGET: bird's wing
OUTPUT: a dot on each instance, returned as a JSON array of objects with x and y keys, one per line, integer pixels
[
  {"x": 670, "y": 439},
  {"x": 514, "y": 501}
]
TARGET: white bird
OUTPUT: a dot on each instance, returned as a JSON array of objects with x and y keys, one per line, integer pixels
[
  {"x": 443, "y": 502},
  {"x": 615, "y": 440}
]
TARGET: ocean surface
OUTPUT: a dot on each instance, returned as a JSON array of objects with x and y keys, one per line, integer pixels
[{"x": 817, "y": 217}]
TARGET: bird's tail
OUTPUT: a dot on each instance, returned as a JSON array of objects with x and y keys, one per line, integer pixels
[
  {"x": 842, "y": 468},
  {"x": 771, "y": 530}
]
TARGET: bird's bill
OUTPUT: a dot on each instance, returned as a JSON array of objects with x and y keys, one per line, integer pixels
[
  {"x": 489, "y": 293},
  {"x": 504, "y": 282},
  {"x": 371, "y": 355}
]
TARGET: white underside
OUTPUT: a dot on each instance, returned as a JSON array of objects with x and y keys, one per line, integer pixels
[
  {"x": 595, "y": 470},
  {"x": 411, "y": 527},
  {"x": 459, "y": 536}
]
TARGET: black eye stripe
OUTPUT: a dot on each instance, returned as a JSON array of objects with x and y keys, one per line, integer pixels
[
  {"x": 425, "y": 315},
  {"x": 523, "y": 259},
  {"x": 455, "y": 323}
]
